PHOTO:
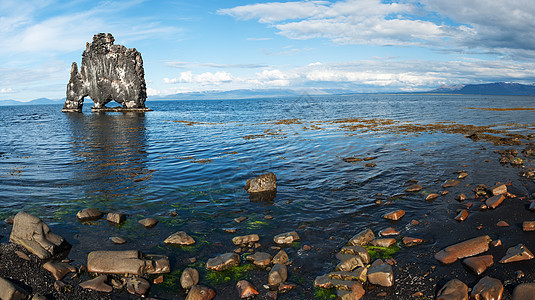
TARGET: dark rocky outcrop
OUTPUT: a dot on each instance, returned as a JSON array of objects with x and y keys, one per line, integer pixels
[{"x": 108, "y": 73}]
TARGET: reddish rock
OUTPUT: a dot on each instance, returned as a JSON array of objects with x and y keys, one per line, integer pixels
[
  {"x": 388, "y": 232},
  {"x": 463, "y": 214},
  {"x": 431, "y": 197},
  {"x": 498, "y": 189},
  {"x": 479, "y": 264},
  {"x": 460, "y": 197},
  {"x": 386, "y": 242},
  {"x": 528, "y": 226},
  {"x": 362, "y": 238},
  {"x": 415, "y": 222},
  {"x": 396, "y": 215},
  {"x": 450, "y": 183},
  {"x": 453, "y": 290},
  {"x": 524, "y": 291},
  {"x": 516, "y": 253},
  {"x": 502, "y": 224},
  {"x": 246, "y": 289},
  {"x": 410, "y": 241},
  {"x": 464, "y": 249},
  {"x": 487, "y": 288},
  {"x": 494, "y": 201},
  {"x": 414, "y": 188}
]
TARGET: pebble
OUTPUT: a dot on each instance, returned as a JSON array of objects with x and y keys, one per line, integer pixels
[
  {"x": 268, "y": 217},
  {"x": 246, "y": 289},
  {"x": 9, "y": 220},
  {"x": 117, "y": 240},
  {"x": 158, "y": 280},
  {"x": 179, "y": 238},
  {"x": 450, "y": 183},
  {"x": 396, "y": 215},
  {"x": 479, "y": 264},
  {"x": 413, "y": 188},
  {"x": 528, "y": 226},
  {"x": 431, "y": 197},
  {"x": 385, "y": 242},
  {"x": 148, "y": 222},
  {"x": 230, "y": 230},
  {"x": 381, "y": 274},
  {"x": 61, "y": 286},
  {"x": 261, "y": 259},
  {"x": 199, "y": 292},
  {"x": 415, "y": 222},
  {"x": 460, "y": 197},
  {"x": 462, "y": 175},
  {"x": 410, "y": 241}
]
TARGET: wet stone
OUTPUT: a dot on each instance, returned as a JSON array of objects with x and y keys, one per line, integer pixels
[
  {"x": 278, "y": 274},
  {"x": 349, "y": 263},
  {"x": 230, "y": 230},
  {"x": 179, "y": 238},
  {"x": 263, "y": 183},
  {"x": 115, "y": 218},
  {"x": 280, "y": 258},
  {"x": 410, "y": 241},
  {"x": 463, "y": 214},
  {"x": 453, "y": 290},
  {"x": 117, "y": 240},
  {"x": 388, "y": 232},
  {"x": 58, "y": 270},
  {"x": 189, "y": 278},
  {"x": 286, "y": 238},
  {"x": 524, "y": 291},
  {"x": 137, "y": 286},
  {"x": 223, "y": 262},
  {"x": 245, "y": 239},
  {"x": 246, "y": 289},
  {"x": 450, "y": 183},
  {"x": 532, "y": 206},
  {"x": 11, "y": 291},
  {"x": 462, "y": 175},
  {"x": 89, "y": 214},
  {"x": 362, "y": 238},
  {"x": 516, "y": 253},
  {"x": 464, "y": 249},
  {"x": 261, "y": 259},
  {"x": 431, "y": 197},
  {"x": 357, "y": 250},
  {"x": 323, "y": 281},
  {"x": 494, "y": 201},
  {"x": 240, "y": 219},
  {"x": 502, "y": 224},
  {"x": 22, "y": 255},
  {"x": 381, "y": 274},
  {"x": 413, "y": 188},
  {"x": 528, "y": 226},
  {"x": 460, "y": 197},
  {"x": 385, "y": 242},
  {"x": 199, "y": 292},
  {"x": 148, "y": 222},
  {"x": 396, "y": 215},
  {"x": 479, "y": 264},
  {"x": 487, "y": 288},
  {"x": 498, "y": 189},
  {"x": 97, "y": 284},
  {"x": 126, "y": 262},
  {"x": 359, "y": 273}
]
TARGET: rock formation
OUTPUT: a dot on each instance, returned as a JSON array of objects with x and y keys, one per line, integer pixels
[{"x": 108, "y": 73}]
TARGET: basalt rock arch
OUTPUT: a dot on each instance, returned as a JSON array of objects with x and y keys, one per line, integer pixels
[{"x": 108, "y": 73}]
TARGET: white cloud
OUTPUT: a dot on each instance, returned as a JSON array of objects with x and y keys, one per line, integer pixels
[
  {"x": 207, "y": 78},
  {"x": 153, "y": 92},
  {"x": 6, "y": 90}
]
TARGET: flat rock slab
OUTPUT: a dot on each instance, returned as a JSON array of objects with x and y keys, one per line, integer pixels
[
  {"x": 413, "y": 188},
  {"x": 494, "y": 201},
  {"x": 286, "y": 238},
  {"x": 381, "y": 274},
  {"x": 487, "y": 288},
  {"x": 498, "y": 189},
  {"x": 516, "y": 253},
  {"x": 396, "y": 215},
  {"x": 464, "y": 249},
  {"x": 388, "y": 232},
  {"x": 362, "y": 238},
  {"x": 59, "y": 270},
  {"x": 117, "y": 240},
  {"x": 199, "y": 292},
  {"x": 528, "y": 226},
  {"x": 179, "y": 238},
  {"x": 261, "y": 259},
  {"x": 126, "y": 262},
  {"x": 359, "y": 273},
  {"x": 245, "y": 239},
  {"x": 479, "y": 264},
  {"x": 89, "y": 214},
  {"x": 263, "y": 183},
  {"x": 350, "y": 263},
  {"x": 278, "y": 274},
  {"x": 34, "y": 235},
  {"x": 450, "y": 183},
  {"x": 11, "y": 291},
  {"x": 148, "y": 222},
  {"x": 431, "y": 197},
  {"x": 223, "y": 262},
  {"x": 453, "y": 290},
  {"x": 524, "y": 291},
  {"x": 280, "y": 258},
  {"x": 385, "y": 242},
  {"x": 189, "y": 278},
  {"x": 357, "y": 250},
  {"x": 97, "y": 284}
]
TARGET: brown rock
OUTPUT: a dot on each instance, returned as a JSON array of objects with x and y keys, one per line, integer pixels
[
  {"x": 349, "y": 262},
  {"x": 524, "y": 291},
  {"x": 22, "y": 255},
  {"x": 59, "y": 270},
  {"x": 528, "y": 225},
  {"x": 381, "y": 274},
  {"x": 464, "y": 249},
  {"x": 97, "y": 284},
  {"x": 413, "y": 188},
  {"x": 89, "y": 214},
  {"x": 359, "y": 273},
  {"x": 502, "y": 224},
  {"x": 356, "y": 292},
  {"x": 11, "y": 291},
  {"x": 487, "y": 288},
  {"x": 9, "y": 220},
  {"x": 278, "y": 274},
  {"x": 479, "y": 264},
  {"x": 362, "y": 238},
  {"x": 286, "y": 238},
  {"x": 460, "y": 197},
  {"x": 280, "y": 258},
  {"x": 189, "y": 278},
  {"x": 115, "y": 218},
  {"x": 263, "y": 183},
  {"x": 462, "y": 175},
  {"x": 494, "y": 201},
  {"x": 431, "y": 197},
  {"x": 415, "y": 222},
  {"x": 410, "y": 241},
  {"x": 246, "y": 289},
  {"x": 388, "y": 232},
  {"x": 516, "y": 253},
  {"x": 357, "y": 250},
  {"x": 352, "y": 159},
  {"x": 137, "y": 286},
  {"x": 453, "y": 290},
  {"x": 261, "y": 259},
  {"x": 386, "y": 242},
  {"x": 158, "y": 280},
  {"x": 396, "y": 215},
  {"x": 245, "y": 239},
  {"x": 240, "y": 219},
  {"x": 117, "y": 240},
  {"x": 323, "y": 281},
  {"x": 179, "y": 238},
  {"x": 199, "y": 292},
  {"x": 126, "y": 262},
  {"x": 223, "y": 262},
  {"x": 148, "y": 222},
  {"x": 498, "y": 189},
  {"x": 450, "y": 183},
  {"x": 463, "y": 214}
]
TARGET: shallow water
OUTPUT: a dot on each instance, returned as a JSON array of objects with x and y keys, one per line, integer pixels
[{"x": 193, "y": 157}]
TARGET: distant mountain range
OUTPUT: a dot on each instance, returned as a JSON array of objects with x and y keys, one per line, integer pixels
[{"x": 497, "y": 88}]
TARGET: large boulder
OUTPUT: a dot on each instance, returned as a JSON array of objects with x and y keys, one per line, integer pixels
[
  {"x": 108, "y": 72},
  {"x": 34, "y": 235},
  {"x": 126, "y": 262}
]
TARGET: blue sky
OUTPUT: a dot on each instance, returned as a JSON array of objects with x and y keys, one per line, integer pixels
[{"x": 204, "y": 45}]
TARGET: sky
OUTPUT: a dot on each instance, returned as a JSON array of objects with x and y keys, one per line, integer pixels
[{"x": 363, "y": 46}]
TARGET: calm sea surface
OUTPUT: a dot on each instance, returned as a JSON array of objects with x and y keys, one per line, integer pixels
[{"x": 193, "y": 157}]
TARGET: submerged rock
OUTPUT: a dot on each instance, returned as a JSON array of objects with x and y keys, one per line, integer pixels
[
  {"x": 179, "y": 238},
  {"x": 453, "y": 290},
  {"x": 189, "y": 278},
  {"x": 464, "y": 249},
  {"x": 34, "y": 235},
  {"x": 108, "y": 73},
  {"x": 263, "y": 183},
  {"x": 126, "y": 262},
  {"x": 223, "y": 262}
]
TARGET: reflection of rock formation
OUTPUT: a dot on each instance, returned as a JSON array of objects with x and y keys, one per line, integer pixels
[
  {"x": 111, "y": 151},
  {"x": 108, "y": 72}
]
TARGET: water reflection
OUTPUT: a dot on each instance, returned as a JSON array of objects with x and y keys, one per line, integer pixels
[{"x": 111, "y": 151}]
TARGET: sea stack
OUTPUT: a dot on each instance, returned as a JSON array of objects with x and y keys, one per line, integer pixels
[{"x": 108, "y": 73}]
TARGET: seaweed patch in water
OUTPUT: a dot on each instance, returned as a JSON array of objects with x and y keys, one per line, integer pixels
[
  {"x": 323, "y": 294},
  {"x": 233, "y": 274},
  {"x": 382, "y": 252}
]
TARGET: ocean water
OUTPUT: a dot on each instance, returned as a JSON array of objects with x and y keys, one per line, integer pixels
[{"x": 193, "y": 158}]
